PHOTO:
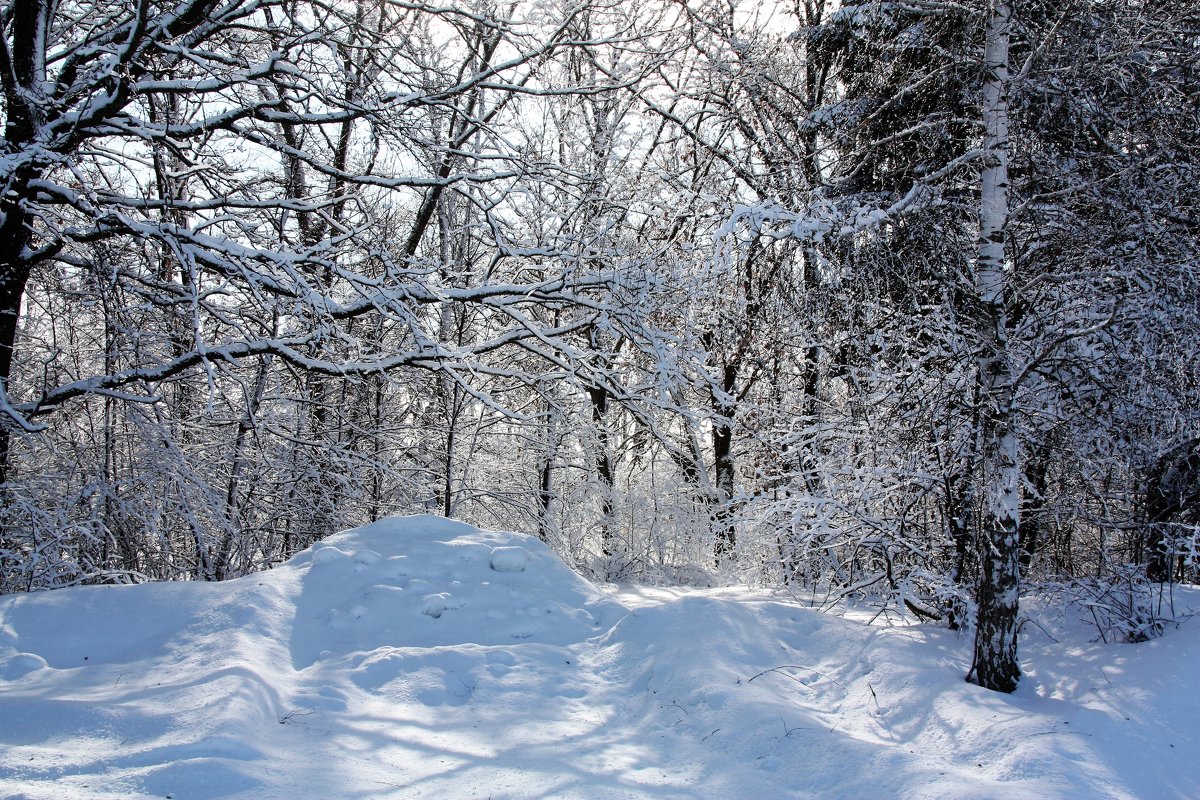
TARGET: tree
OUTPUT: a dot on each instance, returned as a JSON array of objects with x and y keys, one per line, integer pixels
[
  {"x": 995, "y": 664},
  {"x": 1035, "y": 305},
  {"x": 282, "y": 140}
]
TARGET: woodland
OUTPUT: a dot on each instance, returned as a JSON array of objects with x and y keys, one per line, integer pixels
[{"x": 883, "y": 300}]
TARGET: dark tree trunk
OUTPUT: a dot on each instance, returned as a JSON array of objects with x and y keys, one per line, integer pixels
[
  {"x": 604, "y": 469},
  {"x": 958, "y": 516},
  {"x": 14, "y": 275},
  {"x": 1033, "y": 536},
  {"x": 724, "y": 467}
]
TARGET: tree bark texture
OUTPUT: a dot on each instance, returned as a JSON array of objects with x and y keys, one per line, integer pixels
[{"x": 996, "y": 664}]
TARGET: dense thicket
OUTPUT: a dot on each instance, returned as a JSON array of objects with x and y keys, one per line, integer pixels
[{"x": 866, "y": 298}]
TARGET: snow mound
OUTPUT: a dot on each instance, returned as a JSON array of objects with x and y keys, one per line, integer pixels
[{"x": 432, "y": 582}]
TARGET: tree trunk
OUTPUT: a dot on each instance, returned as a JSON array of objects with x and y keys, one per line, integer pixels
[
  {"x": 995, "y": 663},
  {"x": 958, "y": 520},
  {"x": 604, "y": 469},
  {"x": 546, "y": 460},
  {"x": 23, "y": 80},
  {"x": 724, "y": 467},
  {"x": 14, "y": 275},
  {"x": 233, "y": 502},
  {"x": 1037, "y": 479}
]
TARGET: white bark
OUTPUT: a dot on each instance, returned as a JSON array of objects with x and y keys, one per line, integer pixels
[{"x": 995, "y": 665}]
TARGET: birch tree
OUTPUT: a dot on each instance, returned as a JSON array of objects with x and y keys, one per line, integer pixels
[{"x": 995, "y": 664}]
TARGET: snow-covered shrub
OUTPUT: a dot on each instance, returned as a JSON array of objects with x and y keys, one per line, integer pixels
[
  {"x": 38, "y": 550},
  {"x": 1124, "y": 606}
]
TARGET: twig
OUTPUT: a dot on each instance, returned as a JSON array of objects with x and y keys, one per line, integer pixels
[
  {"x": 782, "y": 667},
  {"x": 291, "y": 715},
  {"x": 1039, "y": 626}
]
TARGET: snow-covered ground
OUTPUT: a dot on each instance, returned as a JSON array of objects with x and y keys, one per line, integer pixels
[{"x": 422, "y": 658}]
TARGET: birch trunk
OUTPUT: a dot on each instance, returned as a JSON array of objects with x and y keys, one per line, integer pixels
[{"x": 995, "y": 663}]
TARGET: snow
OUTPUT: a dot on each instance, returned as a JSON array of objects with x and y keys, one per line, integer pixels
[
  {"x": 422, "y": 658},
  {"x": 509, "y": 559}
]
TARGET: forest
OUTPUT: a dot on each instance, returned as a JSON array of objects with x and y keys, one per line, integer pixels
[{"x": 887, "y": 300}]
